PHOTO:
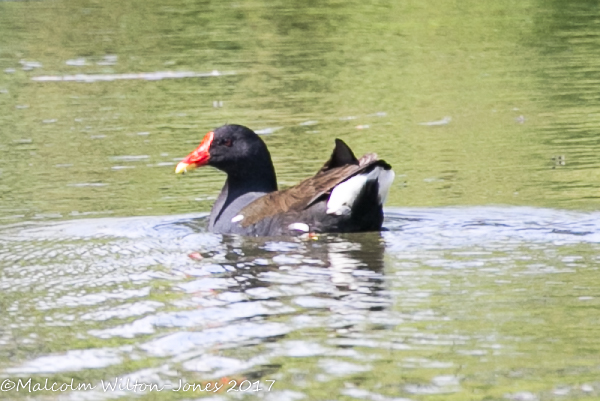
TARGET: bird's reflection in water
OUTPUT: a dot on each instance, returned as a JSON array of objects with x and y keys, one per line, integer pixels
[
  {"x": 345, "y": 271},
  {"x": 356, "y": 263}
]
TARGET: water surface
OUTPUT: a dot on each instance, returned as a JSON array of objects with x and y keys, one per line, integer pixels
[
  {"x": 448, "y": 303},
  {"x": 484, "y": 285}
]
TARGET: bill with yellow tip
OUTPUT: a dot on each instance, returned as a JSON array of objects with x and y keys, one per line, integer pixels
[{"x": 198, "y": 157}]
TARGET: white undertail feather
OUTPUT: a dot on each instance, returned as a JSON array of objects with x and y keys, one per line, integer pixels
[
  {"x": 386, "y": 178},
  {"x": 344, "y": 195}
]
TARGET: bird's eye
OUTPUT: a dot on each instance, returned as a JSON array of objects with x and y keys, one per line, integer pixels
[{"x": 228, "y": 142}]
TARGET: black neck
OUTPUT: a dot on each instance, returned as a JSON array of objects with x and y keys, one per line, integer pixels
[{"x": 255, "y": 178}]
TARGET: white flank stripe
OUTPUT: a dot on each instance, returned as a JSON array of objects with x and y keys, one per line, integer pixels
[
  {"x": 299, "y": 227},
  {"x": 237, "y": 218}
]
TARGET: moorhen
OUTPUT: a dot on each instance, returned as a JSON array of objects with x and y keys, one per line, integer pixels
[{"x": 346, "y": 194}]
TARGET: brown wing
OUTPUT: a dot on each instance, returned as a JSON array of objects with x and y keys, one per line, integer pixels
[{"x": 341, "y": 166}]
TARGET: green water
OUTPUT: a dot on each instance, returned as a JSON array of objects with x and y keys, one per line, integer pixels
[
  {"x": 518, "y": 79},
  {"x": 474, "y": 103}
]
